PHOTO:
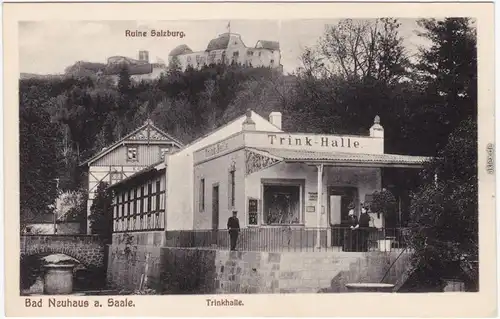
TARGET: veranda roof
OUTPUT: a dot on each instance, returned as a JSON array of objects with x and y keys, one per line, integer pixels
[{"x": 346, "y": 159}]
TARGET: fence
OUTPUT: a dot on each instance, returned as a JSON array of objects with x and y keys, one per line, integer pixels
[{"x": 275, "y": 239}]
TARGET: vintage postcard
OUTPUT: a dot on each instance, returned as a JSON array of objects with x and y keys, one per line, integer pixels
[{"x": 250, "y": 159}]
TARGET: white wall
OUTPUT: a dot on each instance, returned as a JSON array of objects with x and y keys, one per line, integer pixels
[
  {"x": 180, "y": 176},
  {"x": 216, "y": 171}
]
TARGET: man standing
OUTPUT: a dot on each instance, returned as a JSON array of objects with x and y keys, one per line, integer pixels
[
  {"x": 233, "y": 225},
  {"x": 364, "y": 229}
]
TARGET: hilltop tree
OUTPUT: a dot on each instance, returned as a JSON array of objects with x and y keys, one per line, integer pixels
[{"x": 124, "y": 82}]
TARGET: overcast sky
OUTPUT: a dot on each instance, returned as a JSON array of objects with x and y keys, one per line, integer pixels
[{"x": 48, "y": 47}]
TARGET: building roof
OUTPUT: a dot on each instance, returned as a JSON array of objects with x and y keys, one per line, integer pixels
[
  {"x": 148, "y": 125},
  {"x": 43, "y": 218},
  {"x": 181, "y": 49},
  {"x": 270, "y": 45},
  {"x": 346, "y": 158},
  {"x": 219, "y": 43},
  {"x": 139, "y": 176}
]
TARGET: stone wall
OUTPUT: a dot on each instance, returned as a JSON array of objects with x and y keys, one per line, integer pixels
[
  {"x": 130, "y": 267},
  {"x": 373, "y": 267},
  {"x": 206, "y": 271},
  {"x": 89, "y": 250},
  {"x": 153, "y": 238}
]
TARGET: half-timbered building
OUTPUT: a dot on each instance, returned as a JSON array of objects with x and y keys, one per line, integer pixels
[{"x": 136, "y": 151}]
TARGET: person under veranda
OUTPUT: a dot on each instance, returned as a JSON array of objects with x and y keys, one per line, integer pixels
[
  {"x": 233, "y": 225},
  {"x": 364, "y": 224},
  {"x": 350, "y": 237}
]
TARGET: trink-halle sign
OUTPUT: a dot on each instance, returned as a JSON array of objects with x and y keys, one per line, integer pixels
[{"x": 322, "y": 141}]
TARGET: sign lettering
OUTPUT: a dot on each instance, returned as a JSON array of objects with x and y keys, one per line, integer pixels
[
  {"x": 216, "y": 149},
  {"x": 323, "y": 141}
]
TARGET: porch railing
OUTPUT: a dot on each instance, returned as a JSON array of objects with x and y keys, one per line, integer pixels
[{"x": 276, "y": 239}]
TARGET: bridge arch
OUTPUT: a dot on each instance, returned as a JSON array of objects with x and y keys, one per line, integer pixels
[{"x": 88, "y": 250}]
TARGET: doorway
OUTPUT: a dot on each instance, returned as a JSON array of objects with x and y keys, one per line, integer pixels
[
  {"x": 215, "y": 207},
  {"x": 339, "y": 200}
]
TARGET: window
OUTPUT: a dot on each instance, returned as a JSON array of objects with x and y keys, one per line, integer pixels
[
  {"x": 141, "y": 211},
  {"x": 236, "y": 54},
  {"x": 250, "y": 52},
  {"x": 163, "y": 151},
  {"x": 129, "y": 211},
  {"x": 272, "y": 61},
  {"x": 135, "y": 201},
  {"x": 211, "y": 58},
  {"x": 123, "y": 205},
  {"x": 132, "y": 154},
  {"x": 158, "y": 185},
  {"x": 150, "y": 197},
  {"x": 282, "y": 204},
  {"x": 189, "y": 59},
  {"x": 231, "y": 188},
  {"x": 115, "y": 177},
  {"x": 260, "y": 53},
  {"x": 202, "y": 194}
]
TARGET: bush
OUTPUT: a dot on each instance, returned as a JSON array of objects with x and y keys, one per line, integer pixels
[{"x": 30, "y": 270}]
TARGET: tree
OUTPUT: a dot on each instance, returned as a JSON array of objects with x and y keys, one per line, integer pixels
[
  {"x": 101, "y": 213},
  {"x": 361, "y": 50},
  {"x": 384, "y": 203},
  {"x": 124, "y": 82},
  {"x": 39, "y": 160},
  {"x": 444, "y": 212},
  {"x": 174, "y": 66},
  {"x": 448, "y": 74},
  {"x": 358, "y": 69},
  {"x": 75, "y": 208}
]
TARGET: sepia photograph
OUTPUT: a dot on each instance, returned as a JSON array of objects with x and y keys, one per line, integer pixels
[{"x": 234, "y": 157}]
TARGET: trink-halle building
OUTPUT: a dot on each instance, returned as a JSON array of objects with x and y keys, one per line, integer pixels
[{"x": 274, "y": 179}]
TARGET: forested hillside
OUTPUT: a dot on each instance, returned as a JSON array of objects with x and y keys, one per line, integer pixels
[{"x": 356, "y": 71}]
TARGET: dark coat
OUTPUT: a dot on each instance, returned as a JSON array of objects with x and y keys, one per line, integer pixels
[
  {"x": 233, "y": 223},
  {"x": 364, "y": 220},
  {"x": 352, "y": 220}
]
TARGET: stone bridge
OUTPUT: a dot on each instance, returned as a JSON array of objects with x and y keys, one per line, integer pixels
[{"x": 87, "y": 249}]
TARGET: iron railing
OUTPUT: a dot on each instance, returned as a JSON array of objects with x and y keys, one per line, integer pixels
[{"x": 276, "y": 239}]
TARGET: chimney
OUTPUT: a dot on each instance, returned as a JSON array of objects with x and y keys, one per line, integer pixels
[
  {"x": 275, "y": 119},
  {"x": 377, "y": 130},
  {"x": 249, "y": 124}
]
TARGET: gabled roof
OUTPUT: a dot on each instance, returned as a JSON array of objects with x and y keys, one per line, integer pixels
[
  {"x": 219, "y": 43},
  {"x": 147, "y": 132},
  {"x": 239, "y": 118},
  {"x": 181, "y": 49},
  {"x": 270, "y": 45},
  {"x": 43, "y": 218},
  {"x": 139, "y": 176}
]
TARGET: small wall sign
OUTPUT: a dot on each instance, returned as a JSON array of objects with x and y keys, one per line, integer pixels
[
  {"x": 253, "y": 208},
  {"x": 313, "y": 196}
]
